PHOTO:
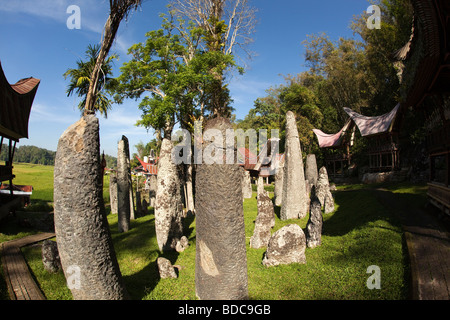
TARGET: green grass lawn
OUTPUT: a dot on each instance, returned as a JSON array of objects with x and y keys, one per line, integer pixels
[
  {"x": 360, "y": 233},
  {"x": 41, "y": 178}
]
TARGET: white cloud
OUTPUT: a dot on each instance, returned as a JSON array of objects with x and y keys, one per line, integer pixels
[
  {"x": 92, "y": 16},
  {"x": 55, "y": 10},
  {"x": 44, "y": 113}
]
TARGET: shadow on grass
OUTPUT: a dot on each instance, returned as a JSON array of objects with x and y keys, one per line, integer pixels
[
  {"x": 355, "y": 209},
  {"x": 135, "y": 244},
  {"x": 277, "y": 210}
]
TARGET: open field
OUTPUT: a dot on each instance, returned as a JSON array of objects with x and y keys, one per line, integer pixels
[{"x": 360, "y": 233}]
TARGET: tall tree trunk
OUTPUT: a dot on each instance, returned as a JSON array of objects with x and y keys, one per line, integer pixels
[
  {"x": 81, "y": 227},
  {"x": 118, "y": 10},
  {"x": 111, "y": 27}
]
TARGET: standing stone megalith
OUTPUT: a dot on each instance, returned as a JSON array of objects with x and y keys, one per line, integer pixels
[
  {"x": 123, "y": 185},
  {"x": 294, "y": 192},
  {"x": 315, "y": 222},
  {"x": 246, "y": 184},
  {"x": 278, "y": 189},
  {"x": 82, "y": 231},
  {"x": 311, "y": 172},
  {"x": 168, "y": 204},
  {"x": 139, "y": 210},
  {"x": 113, "y": 193},
  {"x": 153, "y": 185},
  {"x": 323, "y": 191},
  {"x": 221, "y": 260},
  {"x": 265, "y": 221},
  {"x": 259, "y": 186}
]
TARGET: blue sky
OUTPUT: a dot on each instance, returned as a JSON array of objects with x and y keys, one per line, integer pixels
[{"x": 35, "y": 41}]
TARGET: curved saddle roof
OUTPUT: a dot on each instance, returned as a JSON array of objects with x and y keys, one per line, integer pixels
[
  {"x": 15, "y": 106},
  {"x": 369, "y": 126},
  {"x": 332, "y": 140}
]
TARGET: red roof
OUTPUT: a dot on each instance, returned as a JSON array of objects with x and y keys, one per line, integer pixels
[{"x": 150, "y": 168}]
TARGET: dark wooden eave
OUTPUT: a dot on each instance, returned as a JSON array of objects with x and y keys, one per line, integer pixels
[{"x": 15, "y": 106}]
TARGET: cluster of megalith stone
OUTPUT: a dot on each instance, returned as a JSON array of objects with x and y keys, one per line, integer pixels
[
  {"x": 84, "y": 239},
  {"x": 298, "y": 191},
  {"x": 164, "y": 196},
  {"x": 138, "y": 203}
]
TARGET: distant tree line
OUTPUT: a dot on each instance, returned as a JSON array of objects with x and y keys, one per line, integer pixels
[
  {"x": 30, "y": 154},
  {"x": 36, "y": 155}
]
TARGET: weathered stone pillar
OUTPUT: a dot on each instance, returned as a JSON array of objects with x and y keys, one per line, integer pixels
[
  {"x": 221, "y": 260},
  {"x": 265, "y": 221},
  {"x": 294, "y": 192},
  {"x": 323, "y": 191},
  {"x": 123, "y": 185},
  {"x": 113, "y": 193},
  {"x": 259, "y": 186},
  {"x": 168, "y": 206},
  {"x": 153, "y": 184},
  {"x": 278, "y": 190},
  {"x": 314, "y": 225},
  {"x": 82, "y": 231},
  {"x": 189, "y": 188},
  {"x": 139, "y": 210},
  {"x": 247, "y": 191},
  {"x": 132, "y": 211},
  {"x": 311, "y": 172}
]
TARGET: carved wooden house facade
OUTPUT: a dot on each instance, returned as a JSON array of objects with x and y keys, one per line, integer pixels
[
  {"x": 425, "y": 75},
  {"x": 382, "y": 134}
]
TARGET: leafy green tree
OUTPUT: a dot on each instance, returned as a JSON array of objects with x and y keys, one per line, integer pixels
[
  {"x": 379, "y": 46},
  {"x": 163, "y": 72},
  {"x": 80, "y": 79},
  {"x": 225, "y": 26}
]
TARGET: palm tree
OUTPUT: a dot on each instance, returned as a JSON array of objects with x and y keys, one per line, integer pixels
[
  {"x": 80, "y": 79},
  {"x": 119, "y": 9}
]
